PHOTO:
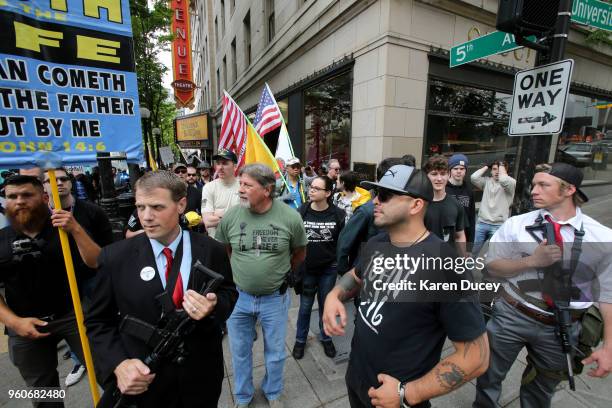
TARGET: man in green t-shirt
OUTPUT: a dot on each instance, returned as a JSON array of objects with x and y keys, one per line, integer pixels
[{"x": 265, "y": 239}]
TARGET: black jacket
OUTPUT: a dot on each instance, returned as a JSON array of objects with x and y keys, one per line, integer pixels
[
  {"x": 120, "y": 291},
  {"x": 359, "y": 229}
]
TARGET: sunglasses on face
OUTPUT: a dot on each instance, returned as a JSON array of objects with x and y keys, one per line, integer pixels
[
  {"x": 191, "y": 174},
  {"x": 182, "y": 171},
  {"x": 63, "y": 179},
  {"x": 385, "y": 195}
]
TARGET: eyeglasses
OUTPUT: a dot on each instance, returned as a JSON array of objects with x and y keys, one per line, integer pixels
[
  {"x": 182, "y": 171},
  {"x": 317, "y": 189},
  {"x": 335, "y": 168},
  {"x": 63, "y": 179},
  {"x": 191, "y": 174}
]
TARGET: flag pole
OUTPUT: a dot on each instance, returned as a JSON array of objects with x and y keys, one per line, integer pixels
[
  {"x": 283, "y": 124},
  {"x": 74, "y": 292}
]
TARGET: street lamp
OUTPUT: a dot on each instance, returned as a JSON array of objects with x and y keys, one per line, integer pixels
[
  {"x": 157, "y": 136},
  {"x": 145, "y": 114}
]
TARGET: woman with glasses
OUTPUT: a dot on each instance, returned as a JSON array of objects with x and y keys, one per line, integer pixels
[{"x": 323, "y": 222}]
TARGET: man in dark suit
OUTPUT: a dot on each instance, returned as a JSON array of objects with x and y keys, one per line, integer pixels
[{"x": 131, "y": 274}]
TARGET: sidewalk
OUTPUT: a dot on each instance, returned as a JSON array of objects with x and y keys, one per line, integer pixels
[{"x": 317, "y": 381}]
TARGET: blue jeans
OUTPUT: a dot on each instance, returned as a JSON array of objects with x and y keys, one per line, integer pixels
[
  {"x": 484, "y": 232},
  {"x": 320, "y": 285},
  {"x": 272, "y": 312}
]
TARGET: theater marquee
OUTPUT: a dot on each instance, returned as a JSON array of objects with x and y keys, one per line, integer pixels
[{"x": 181, "y": 55}]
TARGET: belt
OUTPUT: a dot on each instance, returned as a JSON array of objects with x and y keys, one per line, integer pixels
[{"x": 576, "y": 314}]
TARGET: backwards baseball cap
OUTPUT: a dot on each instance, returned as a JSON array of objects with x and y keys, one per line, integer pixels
[
  {"x": 458, "y": 160},
  {"x": 405, "y": 180},
  {"x": 292, "y": 161},
  {"x": 569, "y": 174},
  {"x": 224, "y": 154}
]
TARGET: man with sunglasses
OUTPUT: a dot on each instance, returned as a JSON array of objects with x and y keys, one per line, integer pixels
[
  {"x": 194, "y": 193},
  {"x": 397, "y": 344},
  {"x": 333, "y": 170},
  {"x": 79, "y": 217},
  {"x": 292, "y": 190}
]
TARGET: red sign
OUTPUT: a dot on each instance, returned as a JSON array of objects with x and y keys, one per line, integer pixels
[{"x": 181, "y": 54}]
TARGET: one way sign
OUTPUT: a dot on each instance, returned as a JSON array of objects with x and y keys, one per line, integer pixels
[{"x": 539, "y": 99}]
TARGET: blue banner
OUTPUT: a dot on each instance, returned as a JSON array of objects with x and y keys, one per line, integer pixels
[{"x": 68, "y": 85}]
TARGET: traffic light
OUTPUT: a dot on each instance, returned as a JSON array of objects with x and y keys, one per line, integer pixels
[{"x": 527, "y": 17}]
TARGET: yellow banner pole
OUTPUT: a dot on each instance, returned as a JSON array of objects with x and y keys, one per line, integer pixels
[{"x": 74, "y": 291}]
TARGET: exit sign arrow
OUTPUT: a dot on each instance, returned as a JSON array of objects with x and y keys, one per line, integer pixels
[{"x": 496, "y": 42}]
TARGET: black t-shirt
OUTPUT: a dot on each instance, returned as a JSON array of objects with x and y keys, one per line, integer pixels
[
  {"x": 465, "y": 196},
  {"x": 404, "y": 339},
  {"x": 322, "y": 230},
  {"x": 194, "y": 199},
  {"x": 36, "y": 287},
  {"x": 95, "y": 222},
  {"x": 444, "y": 218}
]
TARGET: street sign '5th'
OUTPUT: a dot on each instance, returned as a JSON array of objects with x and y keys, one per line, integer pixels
[{"x": 539, "y": 99}]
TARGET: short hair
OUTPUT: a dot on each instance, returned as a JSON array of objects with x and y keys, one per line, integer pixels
[
  {"x": 350, "y": 179},
  {"x": 163, "y": 179},
  {"x": 563, "y": 185},
  {"x": 386, "y": 164},
  {"x": 497, "y": 162},
  {"x": 19, "y": 180},
  {"x": 330, "y": 161},
  {"x": 436, "y": 163},
  {"x": 260, "y": 173},
  {"x": 409, "y": 160}
]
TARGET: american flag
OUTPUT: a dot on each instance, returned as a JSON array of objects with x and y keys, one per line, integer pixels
[
  {"x": 268, "y": 116},
  {"x": 233, "y": 129}
]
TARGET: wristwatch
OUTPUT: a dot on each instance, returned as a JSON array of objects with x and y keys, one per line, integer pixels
[{"x": 401, "y": 391}]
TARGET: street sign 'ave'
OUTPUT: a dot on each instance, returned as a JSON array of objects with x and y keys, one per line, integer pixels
[
  {"x": 496, "y": 42},
  {"x": 539, "y": 99}
]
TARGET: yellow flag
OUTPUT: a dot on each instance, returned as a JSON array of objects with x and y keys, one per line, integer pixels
[
  {"x": 256, "y": 150},
  {"x": 152, "y": 161}
]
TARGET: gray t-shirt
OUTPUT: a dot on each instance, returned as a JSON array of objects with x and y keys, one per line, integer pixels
[{"x": 261, "y": 245}]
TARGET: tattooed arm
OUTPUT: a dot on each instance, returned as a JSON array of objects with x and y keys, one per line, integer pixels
[{"x": 470, "y": 360}]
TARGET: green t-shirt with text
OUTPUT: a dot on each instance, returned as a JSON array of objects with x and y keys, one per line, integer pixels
[{"x": 261, "y": 245}]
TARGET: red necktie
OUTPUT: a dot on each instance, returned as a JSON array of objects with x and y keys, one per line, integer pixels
[
  {"x": 177, "y": 294},
  {"x": 557, "y": 228}
]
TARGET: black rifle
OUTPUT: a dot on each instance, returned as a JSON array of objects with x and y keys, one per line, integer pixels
[
  {"x": 166, "y": 339},
  {"x": 561, "y": 295}
]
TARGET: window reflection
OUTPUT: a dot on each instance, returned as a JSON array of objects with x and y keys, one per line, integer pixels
[
  {"x": 464, "y": 119},
  {"x": 327, "y": 121}
]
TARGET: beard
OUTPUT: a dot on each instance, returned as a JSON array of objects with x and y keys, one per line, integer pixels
[
  {"x": 28, "y": 219},
  {"x": 244, "y": 203}
]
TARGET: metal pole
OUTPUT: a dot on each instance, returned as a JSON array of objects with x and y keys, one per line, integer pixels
[{"x": 536, "y": 149}]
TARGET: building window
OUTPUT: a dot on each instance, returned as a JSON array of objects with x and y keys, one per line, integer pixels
[
  {"x": 270, "y": 19},
  {"x": 216, "y": 33},
  {"x": 225, "y": 73},
  {"x": 222, "y": 18},
  {"x": 327, "y": 121},
  {"x": 234, "y": 63},
  {"x": 472, "y": 121},
  {"x": 205, "y": 49},
  {"x": 586, "y": 138},
  {"x": 208, "y": 94},
  {"x": 218, "y": 84},
  {"x": 246, "y": 25}
]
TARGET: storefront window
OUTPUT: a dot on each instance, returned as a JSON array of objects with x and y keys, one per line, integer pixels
[
  {"x": 472, "y": 121},
  {"x": 327, "y": 121},
  {"x": 586, "y": 140}
]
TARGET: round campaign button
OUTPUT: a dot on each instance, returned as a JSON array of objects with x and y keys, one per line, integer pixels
[{"x": 147, "y": 273}]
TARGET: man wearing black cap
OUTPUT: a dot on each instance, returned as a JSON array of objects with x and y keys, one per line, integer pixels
[
  {"x": 523, "y": 254},
  {"x": 205, "y": 176},
  {"x": 222, "y": 193},
  {"x": 397, "y": 345}
]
